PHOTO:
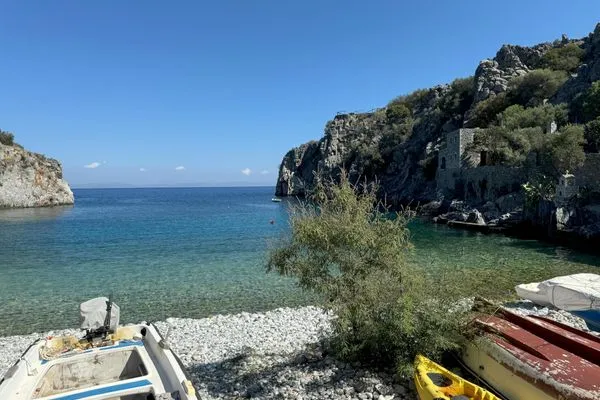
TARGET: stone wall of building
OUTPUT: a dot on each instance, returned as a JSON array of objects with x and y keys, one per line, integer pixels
[
  {"x": 476, "y": 185},
  {"x": 588, "y": 176},
  {"x": 449, "y": 153},
  {"x": 453, "y": 152}
]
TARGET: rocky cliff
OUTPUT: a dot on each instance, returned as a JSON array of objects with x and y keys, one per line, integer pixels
[
  {"x": 31, "y": 180},
  {"x": 398, "y": 144}
]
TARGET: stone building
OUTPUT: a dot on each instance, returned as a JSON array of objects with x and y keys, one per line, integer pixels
[
  {"x": 453, "y": 150},
  {"x": 566, "y": 188}
]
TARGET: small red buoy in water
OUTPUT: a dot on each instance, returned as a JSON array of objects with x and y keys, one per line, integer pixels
[{"x": 272, "y": 221}]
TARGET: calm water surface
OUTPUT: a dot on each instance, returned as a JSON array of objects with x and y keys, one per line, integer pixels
[{"x": 191, "y": 252}]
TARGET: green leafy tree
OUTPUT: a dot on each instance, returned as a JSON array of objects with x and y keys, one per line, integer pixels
[
  {"x": 346, "y": 247},
  {"x": 592, "y": 136},
  {"x": 564, "y": 150},
  {"x": 508, "y": 147},
  {"x": 397, "y": 112},
  {"x": 531, "y": 89},
  {"x": 565, "y": 58}
]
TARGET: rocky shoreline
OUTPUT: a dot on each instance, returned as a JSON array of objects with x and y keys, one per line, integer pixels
[{"x": 276, "y": 354}]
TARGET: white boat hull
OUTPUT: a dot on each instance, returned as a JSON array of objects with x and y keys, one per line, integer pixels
[{"x": 136, "y": 366}]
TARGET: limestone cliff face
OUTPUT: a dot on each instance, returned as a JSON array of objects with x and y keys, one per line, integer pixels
[
  {"x": 407, "y": 172},
  {"x": 347, "y": 137},
  {"x": 31, "y": 180},
  {"x": 492, "y": 76}
]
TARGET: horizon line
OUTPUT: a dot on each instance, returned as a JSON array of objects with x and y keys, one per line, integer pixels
[{"x": 192, "y": 186}]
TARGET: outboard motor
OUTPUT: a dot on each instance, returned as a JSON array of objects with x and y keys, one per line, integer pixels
[{"x": 99, "y": 317}]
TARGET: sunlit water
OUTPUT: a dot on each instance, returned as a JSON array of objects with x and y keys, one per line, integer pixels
[{"x": 192, "y": 252}]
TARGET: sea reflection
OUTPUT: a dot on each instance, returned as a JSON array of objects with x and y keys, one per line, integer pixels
[{"x": 34, "y": 214}]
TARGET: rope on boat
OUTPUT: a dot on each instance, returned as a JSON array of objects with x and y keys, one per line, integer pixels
[{"x": 58, "y": 346}]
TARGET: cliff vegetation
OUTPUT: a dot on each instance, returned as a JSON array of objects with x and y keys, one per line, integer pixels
[{"x": 537, "y": 104}]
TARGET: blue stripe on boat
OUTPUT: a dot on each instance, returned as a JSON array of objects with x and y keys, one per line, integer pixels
[
  {"x": 105, "y": 390},
  {"x": 122, "y": 343}
]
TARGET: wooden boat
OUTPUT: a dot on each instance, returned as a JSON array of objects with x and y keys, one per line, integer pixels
[
  {"x": 471, "y": 226},
  {"x": 132, "y": 362},
  {"x": 532, "y": 358},
  {"x": 434, "y": 382}
]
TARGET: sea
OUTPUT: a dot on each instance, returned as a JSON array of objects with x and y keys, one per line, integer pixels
[{"x": 194, "y": 252}]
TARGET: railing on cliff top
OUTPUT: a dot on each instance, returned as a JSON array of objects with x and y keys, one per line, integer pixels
[{"x": 371, "y": 111}]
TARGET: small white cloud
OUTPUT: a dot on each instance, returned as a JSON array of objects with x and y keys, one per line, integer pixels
[
  {"x": 246, "y": 171},
  {"x": 95, "y": 164},
  {"x": 142, "y": 169},
  {"x": 180, "y": 168},
  {"x": 264, "y": 172}
]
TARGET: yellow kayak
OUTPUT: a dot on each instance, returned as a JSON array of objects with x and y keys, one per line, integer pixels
[{"x": 434, "y": 382}]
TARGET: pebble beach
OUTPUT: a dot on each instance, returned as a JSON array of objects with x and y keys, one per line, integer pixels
[{"x": 271, "y": 355}]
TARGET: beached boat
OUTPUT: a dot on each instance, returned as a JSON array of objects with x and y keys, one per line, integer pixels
[
  {"x": 132, "y": 362},
  {"x": 577, "y": 293},
  {"x": 434, "y": 382},
  {"x": 524, "y": 357}
]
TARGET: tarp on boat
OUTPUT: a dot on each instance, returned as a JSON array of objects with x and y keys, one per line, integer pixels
[
  {"x": 570, "y": 292},
  {"x": 93, "y": 314}
]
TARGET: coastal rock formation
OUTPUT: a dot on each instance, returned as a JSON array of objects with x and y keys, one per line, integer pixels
[
  {"x": 31, "y": 180},
  {"x": 398, "y": 145},
  {"x": 587, "y": 73},
  {"x": 492, "y": 76}
]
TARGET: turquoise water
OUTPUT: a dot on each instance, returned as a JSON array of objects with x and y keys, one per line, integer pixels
[{"x": 191, "y": 252}]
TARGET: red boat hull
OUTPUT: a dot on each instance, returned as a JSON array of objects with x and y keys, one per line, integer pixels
[{"x": 551, "y": 359}]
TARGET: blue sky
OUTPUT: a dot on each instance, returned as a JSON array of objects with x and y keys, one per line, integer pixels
[{"x": 225, "y": 88}]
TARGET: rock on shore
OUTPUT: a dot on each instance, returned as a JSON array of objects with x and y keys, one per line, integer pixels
[{"x": 31, "y": 180}]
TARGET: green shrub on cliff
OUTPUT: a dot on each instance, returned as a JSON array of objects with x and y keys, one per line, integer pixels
[
  {"x": 517, "y": 116},
  {"x": 397, "y": 112},
  {"x": 564, "y": 58},
  {"x": 459, "y": 98},
  {"x": 591, "y": 102},
  {"x": 592, "y": 136},
  {"x": 508, "y": 146},
  {"x": 486, "y": 111},
  {"x": 7, "y": 138},
  {"x": 564, "y": 151},
  {"x": 393, "y": 138},
  {"x": 532, "y": 88},
  {"x": 559, "y": 152},
  {"x": 346, "y": 247}
]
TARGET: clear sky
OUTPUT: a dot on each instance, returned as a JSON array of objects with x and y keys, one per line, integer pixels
[{"x": 198, "y": 92}]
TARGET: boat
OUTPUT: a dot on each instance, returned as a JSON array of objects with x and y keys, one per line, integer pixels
[
  {"x": 534, "y": 358},
  {"x": 276, "y": 199},
  {"x": 131, "y": 362},
  {"x": 577, "y": 293},
  {"x": 434, "y": 382}
]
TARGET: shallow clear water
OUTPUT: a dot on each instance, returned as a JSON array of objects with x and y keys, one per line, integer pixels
[{"x": 192, "y": 252}]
